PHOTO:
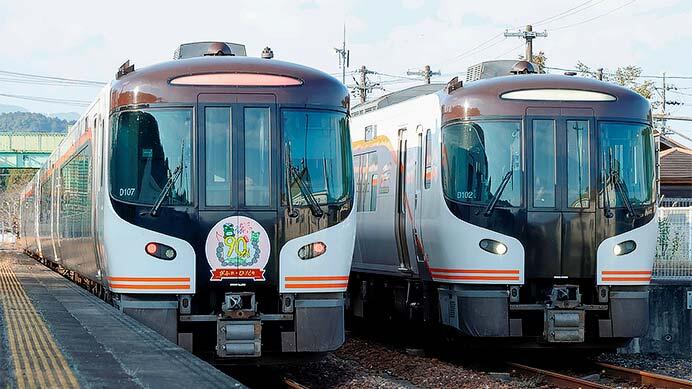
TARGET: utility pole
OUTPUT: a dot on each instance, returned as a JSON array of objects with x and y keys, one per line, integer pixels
[
  {"x": 344, "y": 57},
  {"x": 426, "y": 73},
  {"x": 529, "y": 36},
  {"x": 364, "y": 86},
  {"x": 599, "y": 74}
]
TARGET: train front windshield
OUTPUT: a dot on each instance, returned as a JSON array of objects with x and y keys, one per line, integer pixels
[
  {"x": 477, "y": 157},
  {"x": 149, "y": 148},
  {"x": 627, "y": 161},
  {"x": 318, "y": 155}
]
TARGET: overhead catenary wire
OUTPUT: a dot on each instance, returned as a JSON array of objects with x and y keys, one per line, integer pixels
[
  {"x": 66, "y": 80},
  {"x": 79, "y": 103},
  {"x": 594, "y": 18},
  {"x": 572, "y": 11}
]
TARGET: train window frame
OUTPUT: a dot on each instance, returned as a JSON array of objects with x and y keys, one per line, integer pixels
[
  {"x": 270, "y": 160},
  {"x": 521, "y": 152},
  {"x": 348, "y": 172},
  {"x": 555, "y": 162},
  {"x": 615, "y": 200},
  {"x": 230, "y": 158},
  {"x": 569, "y": 205},
  {"x": 367, "y": 181},
  {"x": 108, "y": 146}
]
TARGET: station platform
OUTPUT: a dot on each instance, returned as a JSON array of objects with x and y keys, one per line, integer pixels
[{"x": 55, "y": 334}]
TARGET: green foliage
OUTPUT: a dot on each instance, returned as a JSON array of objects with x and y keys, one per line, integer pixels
[
  {"x": 31, "y": 122},
  {"x": 627, "y": 76},
  {"x": 668, "y": 241}
]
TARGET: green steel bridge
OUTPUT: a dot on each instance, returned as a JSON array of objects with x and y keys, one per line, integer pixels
[{"x": 28, "y": 149}]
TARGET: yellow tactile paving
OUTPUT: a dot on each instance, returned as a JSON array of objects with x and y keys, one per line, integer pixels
[{"x": 37, "y": 360}]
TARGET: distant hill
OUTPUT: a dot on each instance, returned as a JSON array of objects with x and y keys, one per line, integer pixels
[
  {"x": 69, "y": 116},
  {"x": 11, "y": 108},
  {"x": 31, "y": 122}
]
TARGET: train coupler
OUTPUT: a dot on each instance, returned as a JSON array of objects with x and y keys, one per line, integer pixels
[
  {"x": 239, "y": 328},
  {"x": 564, "y": 326}
]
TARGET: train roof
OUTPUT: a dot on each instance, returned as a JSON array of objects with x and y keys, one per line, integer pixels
[
  {"x": 543, "y": 94},
  {"x": 396, "y": 97},
  {"x": 152, "y": 84}
]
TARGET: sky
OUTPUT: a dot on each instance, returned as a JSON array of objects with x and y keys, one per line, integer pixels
[{"x": 89, "y": 40}]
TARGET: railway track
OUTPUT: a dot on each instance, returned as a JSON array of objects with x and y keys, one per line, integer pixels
[{"x": 604, "y": 373}]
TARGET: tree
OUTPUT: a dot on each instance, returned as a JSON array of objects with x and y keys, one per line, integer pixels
[
  {"x": 539, "y": 59},
  {"x": 14, "y": 182},
  {"x": 627, "y": 76}
]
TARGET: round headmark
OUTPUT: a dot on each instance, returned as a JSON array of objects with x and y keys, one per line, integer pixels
[{"x": 237, "y": 248}]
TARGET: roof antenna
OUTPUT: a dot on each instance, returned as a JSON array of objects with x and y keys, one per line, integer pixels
[
  {"x": 267, "y": 53},
  {"x": 124, "y": 69}
]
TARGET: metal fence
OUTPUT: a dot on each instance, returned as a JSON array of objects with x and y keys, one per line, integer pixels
[{"x": 674, "y": 244}]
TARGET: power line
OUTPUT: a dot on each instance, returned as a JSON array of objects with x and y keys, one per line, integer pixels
[
  {"x": 640, "y": 76},
  {"x": 43, "y": 77},
  {"x": 79, "y": 103},
  {"x": 593, "y": 18},
  {"x": 567, "y": 13}
]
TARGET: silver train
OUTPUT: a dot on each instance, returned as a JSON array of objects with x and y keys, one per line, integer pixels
[
  {"x": 188, "y": 192},
  {"x": 519, "y": 207}
]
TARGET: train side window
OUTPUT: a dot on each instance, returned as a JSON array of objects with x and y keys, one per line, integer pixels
[
  {"x": 372, "y": 180},
  {"x": 365, "y": 167},
  {"x": 544, "y": 172},
  {"x": 217, "y": 127},
  {"x": 428, "y": 159},
  {"x": 370, "y": 132},
  {"x": 578, "y": 178},
  {"x": 257, "y": 163}
]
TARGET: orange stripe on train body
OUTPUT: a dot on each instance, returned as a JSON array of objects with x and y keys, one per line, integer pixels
[
  {"x": 474, "y": 271},
  {"x": 149, "y": 286},
  {"x": 623, "y": 272},
  {"x": 475, "y": 278},
  {"x": 626, "y": 279},
  {"x": 150, "y": 279},
  {"x": 316, "y": 286},
  {"x": 316, "y": 278}
]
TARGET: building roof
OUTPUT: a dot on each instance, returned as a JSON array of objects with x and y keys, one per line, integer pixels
[
  {"x": 667, "y": 143},
  {"x": 676, "y": 166}
]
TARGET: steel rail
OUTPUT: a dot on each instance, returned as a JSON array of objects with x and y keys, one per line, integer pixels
[
  {"x": 557, "y": 379},
  {"x": 644, "y": 378}
]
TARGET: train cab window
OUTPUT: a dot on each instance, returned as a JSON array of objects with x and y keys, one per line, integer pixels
[
  {"x": 218, "y": 132},
  {"x": 544, "y": 177},
  {"x": 627, "y": 164},
  {"x": 150, "y": 149},
  {"x": 481, "y": 161},
  {"x": 317, "y": 149},
  {"x": 257, "y": 162},
  {"x": 578, "y": 159}
]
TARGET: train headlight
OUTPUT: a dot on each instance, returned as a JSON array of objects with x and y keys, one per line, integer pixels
[
  {"x": 625, "y": 247},
  {"x": 493, "y": 246},
  {"x": 312, "y": 250},
  {"x": 160, "y": 251}
]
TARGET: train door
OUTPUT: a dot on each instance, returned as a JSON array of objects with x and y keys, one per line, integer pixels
[
  {"x": 55, "y": 213},
  {"x": 417, "y": 196},
  {"x": 402, "y": 208},
  {"x": 560, "y": 209},
  {"x": 238, "y": 193}
]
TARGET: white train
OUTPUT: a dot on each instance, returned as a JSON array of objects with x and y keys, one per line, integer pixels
[
  {"x": 211, "y": 197},
  {"x": 518, "y": 207}
]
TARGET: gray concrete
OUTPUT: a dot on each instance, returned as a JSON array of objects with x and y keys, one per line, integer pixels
[
  {"x": 670, "y": 327},
  {"x": 104, "y": 347}
]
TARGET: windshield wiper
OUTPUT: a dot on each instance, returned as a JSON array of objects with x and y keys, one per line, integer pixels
[
  {"x": 491, "y": 206},
  {"x": 621, "y": 188},
  {"x": 293, "y": 173},
  {"x": 166, "y": 190},
  {"x": 607, "y": 212},
  {"x": 169, "y": 183}
]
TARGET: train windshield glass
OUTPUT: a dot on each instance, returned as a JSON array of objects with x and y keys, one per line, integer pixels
[
  {"x": 149, "y": 149},
  {"x": 627, "y": 163},
  {"x": 318, "y": 153},
  {"x": 481, "y": 160}
]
